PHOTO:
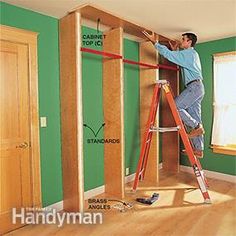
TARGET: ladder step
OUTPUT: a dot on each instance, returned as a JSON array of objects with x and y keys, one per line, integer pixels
[
  {"x": 164, "y": 129},
  {"x": 141, "y": 171},
  {"x": 162, "y": 82}
]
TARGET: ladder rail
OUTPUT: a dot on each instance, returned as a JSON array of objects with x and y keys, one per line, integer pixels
[
  {"x": 151, "y": 133},
  {"x": 147, "y": 148},
  {"x": 192, "y": 158},
  {"x": 145, "y": 137}
]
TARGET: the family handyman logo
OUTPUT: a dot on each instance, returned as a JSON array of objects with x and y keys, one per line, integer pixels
[{"x": 52, "y": 216}]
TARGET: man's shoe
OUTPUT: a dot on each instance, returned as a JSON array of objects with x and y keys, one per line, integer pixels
[
  {"x": 197, "y": 131},
  {"x": 197, "y": 153}
]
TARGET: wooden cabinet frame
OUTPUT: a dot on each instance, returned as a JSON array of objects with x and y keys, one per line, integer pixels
[{"x": 71, "y": 102}]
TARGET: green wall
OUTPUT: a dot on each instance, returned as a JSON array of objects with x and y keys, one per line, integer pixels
[
  {"x": 213, "y": 161},
  {"x": 131, "y": 106},
  {"x": 49, "y": 103},
  {"x": 92, "y": 116}
]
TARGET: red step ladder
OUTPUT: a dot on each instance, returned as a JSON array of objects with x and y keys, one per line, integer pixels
[{"x": 150, "y": 128}]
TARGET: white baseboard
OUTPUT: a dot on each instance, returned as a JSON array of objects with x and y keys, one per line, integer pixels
[
  {"x": 88, "y": 194},
  {"x": 211, "y": 174},
  {"x": 101, "y": 189},
  {"x": 129, "y": 178},
  {"x": 58, "y": 206},
  {"x": 94, "y": 192}
]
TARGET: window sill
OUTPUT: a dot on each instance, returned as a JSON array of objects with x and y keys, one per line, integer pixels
[{"x": 224, "y": 150}]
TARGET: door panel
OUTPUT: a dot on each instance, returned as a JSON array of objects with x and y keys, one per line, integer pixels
[{"x": 15, "y": 166}]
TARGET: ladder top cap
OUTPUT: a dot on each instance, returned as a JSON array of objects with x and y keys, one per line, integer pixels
[{"x": 162, "y": 82}]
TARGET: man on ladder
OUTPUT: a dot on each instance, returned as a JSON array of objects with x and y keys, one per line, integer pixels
[
  {"x": 186, "y": 107},
  {"x": 189, "y": 101}
]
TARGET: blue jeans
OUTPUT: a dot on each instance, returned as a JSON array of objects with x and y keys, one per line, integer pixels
[{"x": 189, "y": 106}]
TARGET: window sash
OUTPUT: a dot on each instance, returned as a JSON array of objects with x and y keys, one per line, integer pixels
[{"x": 223, "y": 132}]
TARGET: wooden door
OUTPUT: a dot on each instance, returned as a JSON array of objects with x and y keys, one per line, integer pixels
[{"x": 16, "y": 188}]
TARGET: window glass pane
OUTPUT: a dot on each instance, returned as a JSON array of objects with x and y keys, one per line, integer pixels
[{"x": 225, "y": 82}]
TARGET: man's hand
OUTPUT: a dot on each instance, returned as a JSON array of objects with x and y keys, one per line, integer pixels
[
  {"x": 150, "y": 37},
  {"x": 174, "y": 45}
]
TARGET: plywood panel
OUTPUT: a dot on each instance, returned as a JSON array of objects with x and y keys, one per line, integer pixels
[
  {"x": 113, "y": 99},
  {"x": 71, "y": 112},
  {"x": 147, "y": 80},
  {"x": 170, "y": 140}
]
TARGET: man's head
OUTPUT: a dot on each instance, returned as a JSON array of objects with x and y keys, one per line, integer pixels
[{"x": 188, "y": 40}]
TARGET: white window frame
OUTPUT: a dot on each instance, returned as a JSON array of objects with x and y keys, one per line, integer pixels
[{"x": 229, "y": 149}]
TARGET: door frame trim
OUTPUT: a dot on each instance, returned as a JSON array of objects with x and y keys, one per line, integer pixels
[{"x": 29, "y": 38}]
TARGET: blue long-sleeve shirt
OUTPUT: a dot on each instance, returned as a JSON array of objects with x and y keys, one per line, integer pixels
[{"x": 187, "y": 59}]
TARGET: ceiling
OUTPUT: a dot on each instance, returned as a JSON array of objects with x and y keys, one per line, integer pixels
[{"x": 209, "y": 19}]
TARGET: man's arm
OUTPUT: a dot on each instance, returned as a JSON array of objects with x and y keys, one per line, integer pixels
[
  {"x": 177, "y": 57},
  {"x": 174, "y": 44},
  {"x": 150, "y": 37}
]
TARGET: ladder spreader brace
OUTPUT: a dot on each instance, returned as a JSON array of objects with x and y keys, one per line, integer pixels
[
  {"x": 150, "y": 128},
  {"x": 164, "y": 129}
]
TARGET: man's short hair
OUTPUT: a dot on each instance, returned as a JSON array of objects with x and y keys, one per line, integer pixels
[{"x": 192, "y": 37}]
